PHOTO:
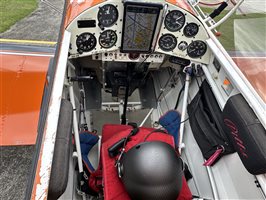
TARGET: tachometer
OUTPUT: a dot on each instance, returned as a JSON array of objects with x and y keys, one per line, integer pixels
[
  {"x": 174, "y": 20},
  {"x": 107, "y": 39},
  {"x": 196, "y": 49},
  {"x": 191, "y": 30},
  {"x": 107, "y": 15},
  {"x": 86, "y": 42},
  {"x": 167, "y": 42}
]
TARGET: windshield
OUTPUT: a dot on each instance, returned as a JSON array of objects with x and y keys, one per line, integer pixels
[{"x": 243, "y": 35}]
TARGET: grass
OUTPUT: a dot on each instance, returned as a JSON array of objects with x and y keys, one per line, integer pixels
[
  {"x": 12, "y": 11},
  {"x": 227, "y": 28}
]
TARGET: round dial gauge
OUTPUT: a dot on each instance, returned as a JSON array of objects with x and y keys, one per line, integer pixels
[
  {"x": 107, "y": 15},
  {"x": 196, "y": 49},
  {"x": 107, "y": 39},
  {"x": 174, "y": 20},
  {"x": 191, "y": 30},
  {"x": 86, "y": 42},
  {"x": 182, "y": 45},
  {"x": 167, "y": 42}
]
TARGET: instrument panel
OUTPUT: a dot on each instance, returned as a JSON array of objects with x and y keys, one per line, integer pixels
[
  {"x": 167, "y": 42},
  {"x": 174, "y": 20},
  {"x": 85, "y": 42},
  {"x": 108, "y": 39},
  {"x": 107, "y": 15},
  {"x": 139, "y": 27}
]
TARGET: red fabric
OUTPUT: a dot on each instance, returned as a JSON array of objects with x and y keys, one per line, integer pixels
[
  {"x": 95, "y": 180},
  {"x": 111, "y": 129},
  {"x": 113, "y": 187},
  {"x": 185, "y": 193}
]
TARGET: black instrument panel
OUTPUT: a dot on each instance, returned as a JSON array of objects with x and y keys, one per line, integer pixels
[
  {"x": 107, "y": 15},
  {"x": 167, "y": 42},
  {"x": 191, "y": 29},
  {"x": 85, "y": 42},
  {"x": 196, "y": 49},
  {"x": 107, "y": 39},
  {"x": 174, "y": 20}
]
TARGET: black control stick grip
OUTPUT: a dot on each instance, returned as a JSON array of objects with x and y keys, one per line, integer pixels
[
  {"x": 218, "y": 10},
  {"x": 113, "y": 150},
  {"x": 134, "y": 132}
]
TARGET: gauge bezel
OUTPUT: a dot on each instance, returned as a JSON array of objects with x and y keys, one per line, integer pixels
[
  {"x": 171, "y": 29},
  {"x": 111, "y": 24},
  {"x": 92, "y": 47},
  {"x": 185, "y": 31},
  {"x": 197, "y": 56},
  {"x": 107, "y": 47},
  {"x": 165, "y": 35}
]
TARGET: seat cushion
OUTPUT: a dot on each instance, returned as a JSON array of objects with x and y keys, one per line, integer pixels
[{"x": 109, "y": 130}]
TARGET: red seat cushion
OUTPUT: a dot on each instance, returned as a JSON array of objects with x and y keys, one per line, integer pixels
[
  {"x": 111, "y": 129},
  {"x": 113, "y": 187}
]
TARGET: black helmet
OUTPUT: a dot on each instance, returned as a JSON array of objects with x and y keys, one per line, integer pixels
[{"x": 152, "y": 171}]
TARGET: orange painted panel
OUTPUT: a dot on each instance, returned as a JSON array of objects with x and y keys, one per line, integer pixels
[
  {"x": 22, "y": 80},
  {"x": 75, "y": 8},
  {"x": 182, "y": 4},
  {"x": 255, "y": 71}
]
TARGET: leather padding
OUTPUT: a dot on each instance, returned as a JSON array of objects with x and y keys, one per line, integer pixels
[{"x": 246, "y": 133}]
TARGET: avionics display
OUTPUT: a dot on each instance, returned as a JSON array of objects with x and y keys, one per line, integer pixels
[{"x": 139, "y": 26}]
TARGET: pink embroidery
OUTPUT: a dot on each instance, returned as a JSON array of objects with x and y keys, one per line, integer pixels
[{"x": 234, "y": 132}]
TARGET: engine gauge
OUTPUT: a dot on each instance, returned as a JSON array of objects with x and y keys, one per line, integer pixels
[
  {"x": 107, "y": 39},
  {"x": 85, "y": 42},
  {"x": 167, "y": 42},
  {"x": 107, "y": 15},
  {"x": 196, "y": 49},
  {"x": 191, "y": 30},
  {"x": 174, "y": 20}
]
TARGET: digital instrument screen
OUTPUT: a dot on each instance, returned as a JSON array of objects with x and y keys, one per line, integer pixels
[{"x": 139, "y": 26}]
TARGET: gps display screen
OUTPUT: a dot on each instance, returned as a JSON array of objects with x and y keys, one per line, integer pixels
[{"x": 139, "y": 26}]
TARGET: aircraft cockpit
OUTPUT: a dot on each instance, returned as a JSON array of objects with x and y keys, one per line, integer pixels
[{"x": 146, "y": 36}]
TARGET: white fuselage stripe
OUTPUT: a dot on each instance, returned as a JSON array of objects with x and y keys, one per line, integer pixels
[{"x": 26, "y": 54}]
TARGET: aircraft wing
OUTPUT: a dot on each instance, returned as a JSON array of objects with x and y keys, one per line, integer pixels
[{"x": 23, "y": 72}]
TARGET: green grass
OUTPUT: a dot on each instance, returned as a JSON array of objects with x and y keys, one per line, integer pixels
[
  {"x": 227, "y": 28},
  {"x": 12, "y": 11}
]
